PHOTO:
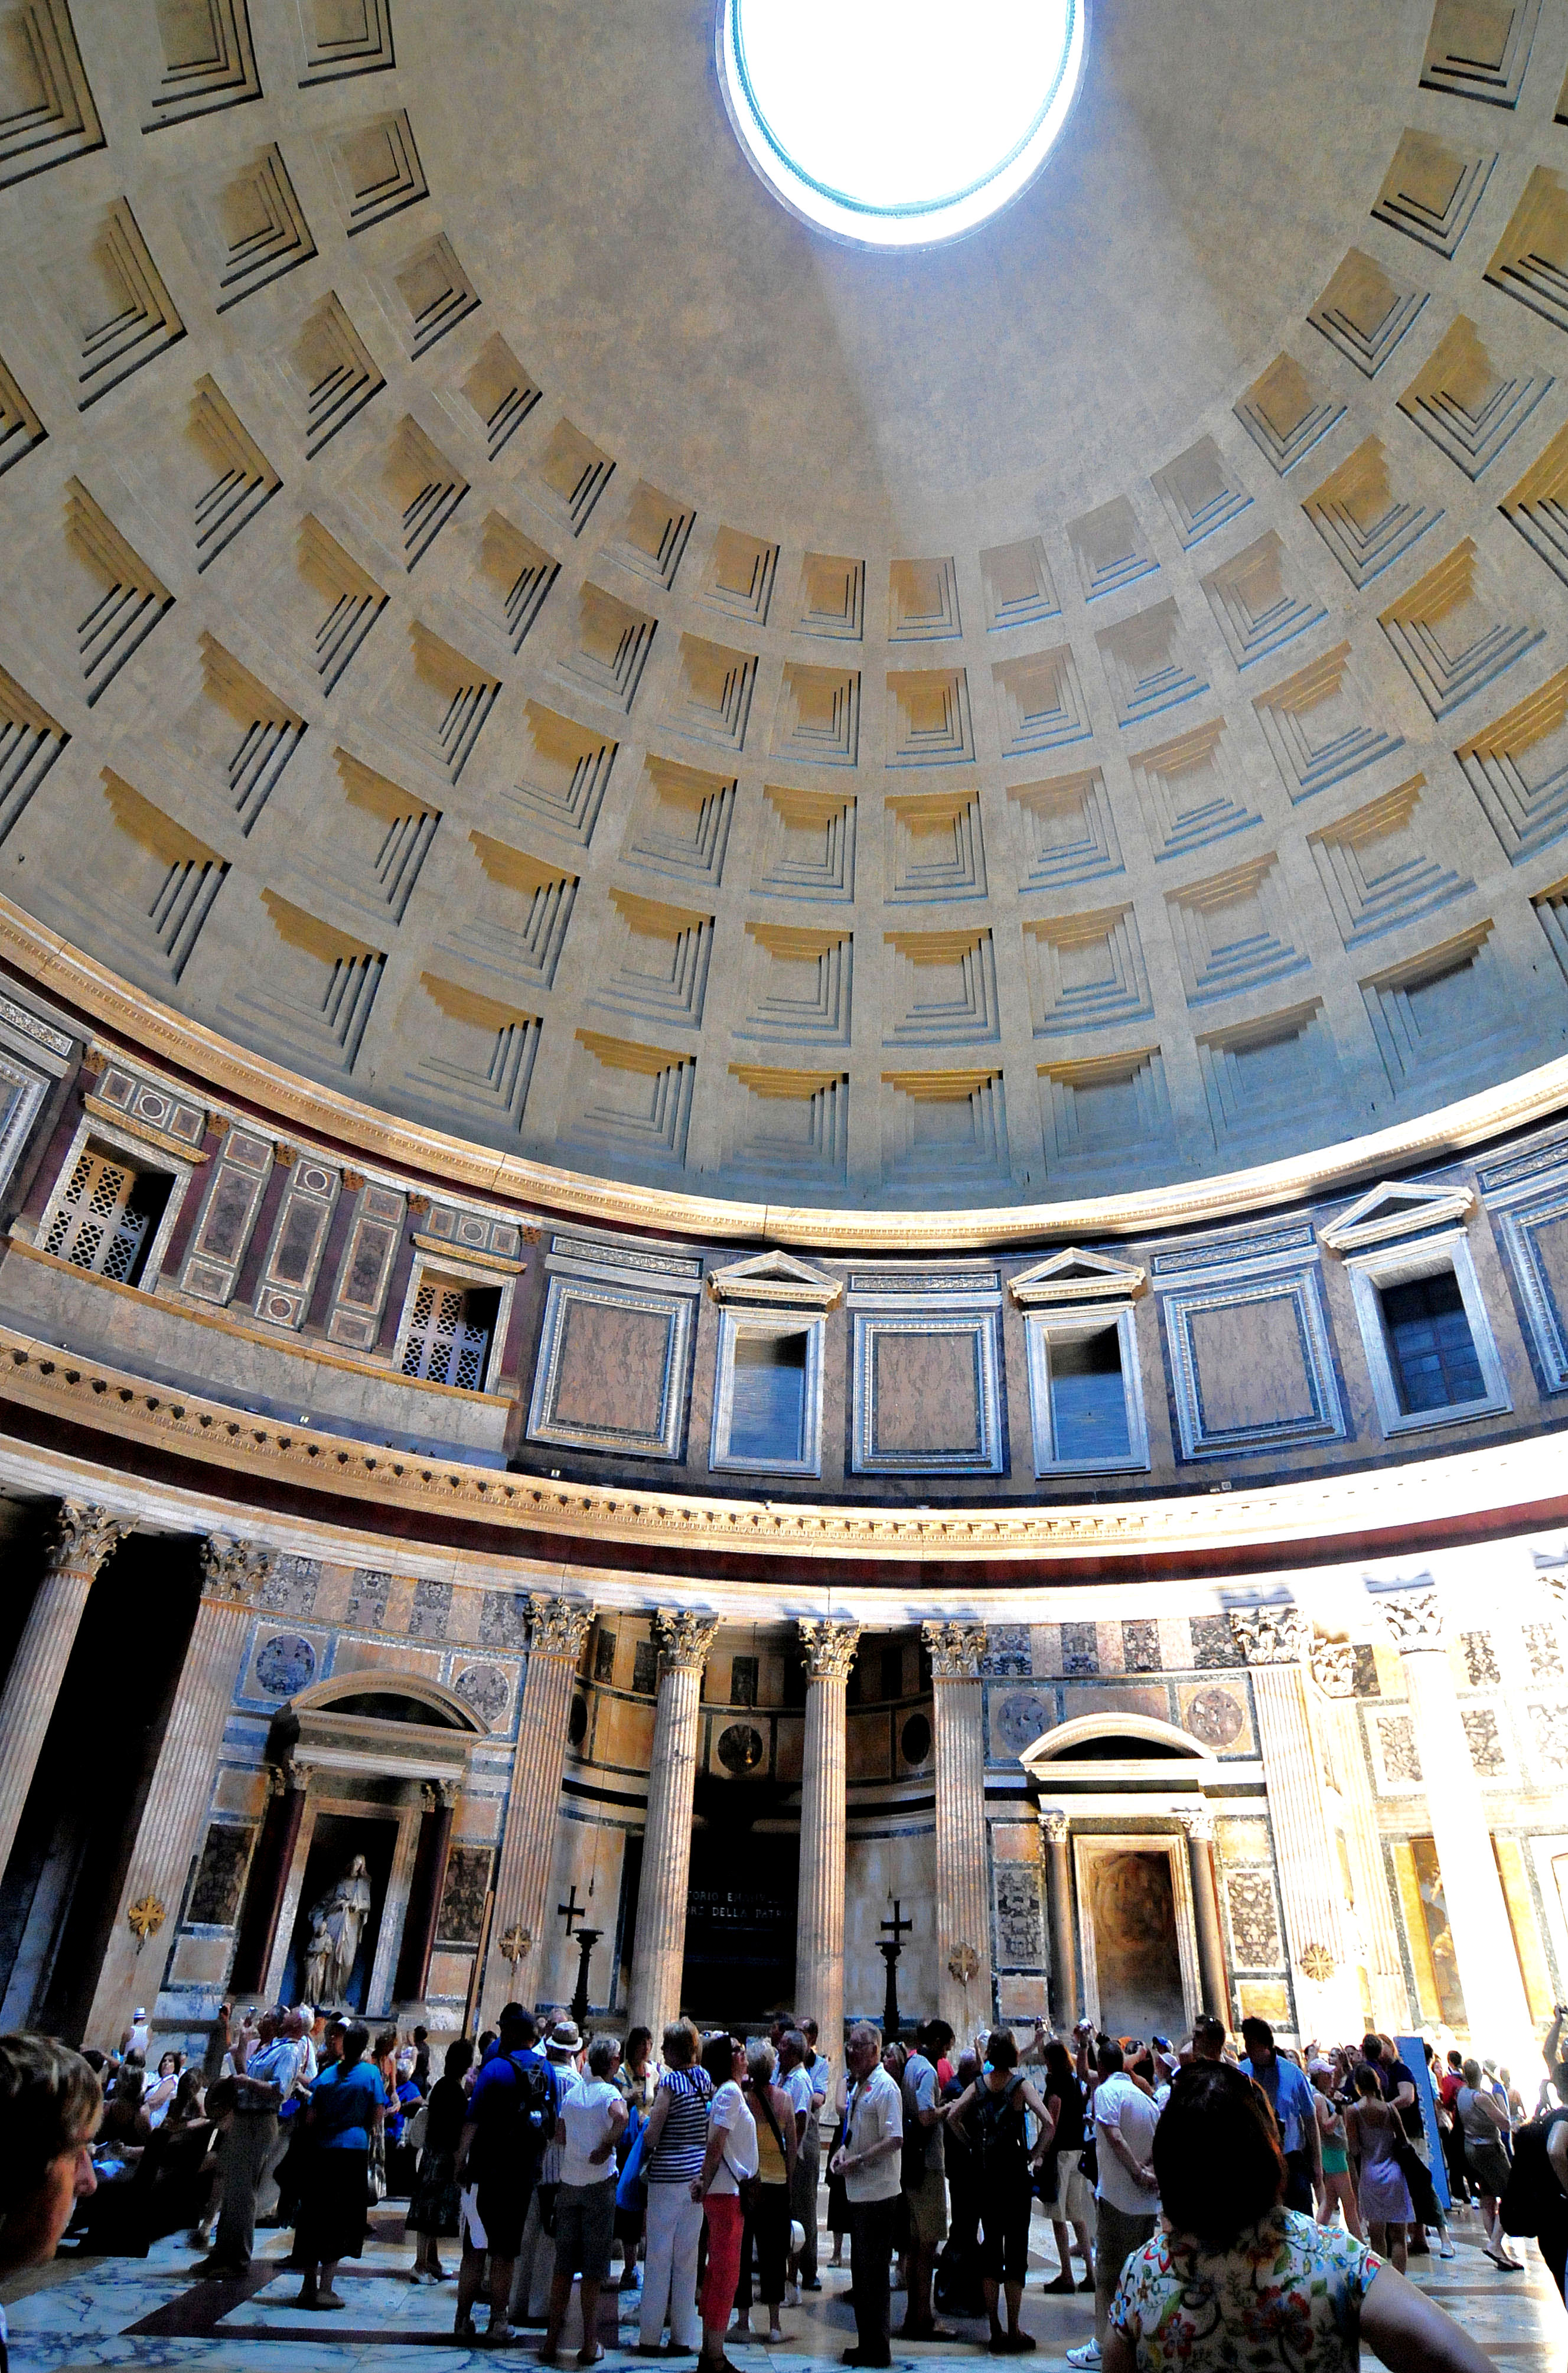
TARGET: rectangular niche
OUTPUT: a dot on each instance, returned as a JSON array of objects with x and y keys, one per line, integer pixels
[
  {"x": 1251, "y": 1364},
  {"x": 925, "y": 1394},
  {"x": 767, "y": 1394},
  {"x": 614, "y": 1371},
  {"x": 1085, "y": 1392}
]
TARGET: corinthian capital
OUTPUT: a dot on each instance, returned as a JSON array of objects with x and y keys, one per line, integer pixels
[
  {"x": 954, "y": 1649},
  {"x": 828, "y": 1648},
  {"x": 83, "y": 1539},
  {"x": 1413, "y": 1618},
  {"x": 1334, "y": 1667},
  {"x": 557, "y": 1627},
  {"x": 233, "y": 1569},
  {"x": 683, "y": 1639},
  {"x": 1198, "y": 1820},
  {"x": 1053, "y": 1824},
  {"x": 1273, "y": 1635}
]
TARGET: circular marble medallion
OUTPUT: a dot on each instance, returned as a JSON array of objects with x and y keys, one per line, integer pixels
[{"x": 285, "y": 1664}]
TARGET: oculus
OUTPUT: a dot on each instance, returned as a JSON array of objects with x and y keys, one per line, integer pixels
[{"x": 899, "y": 122}]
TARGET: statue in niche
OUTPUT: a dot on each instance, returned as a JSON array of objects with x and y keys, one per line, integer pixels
[{"x": 337, "y": 1923}]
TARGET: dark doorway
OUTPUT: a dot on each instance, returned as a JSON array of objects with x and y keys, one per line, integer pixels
[
  {"x": 740, "y": 1956},
  {"x": 338, "y": 1838}
]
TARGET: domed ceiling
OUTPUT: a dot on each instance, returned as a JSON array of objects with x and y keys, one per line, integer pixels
[{"x": 505, "y": 619}]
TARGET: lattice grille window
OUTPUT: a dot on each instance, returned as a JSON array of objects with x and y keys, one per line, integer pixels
[
  {"x": 450, "y": 1329},
  {"x": 106, "y": 1217}
]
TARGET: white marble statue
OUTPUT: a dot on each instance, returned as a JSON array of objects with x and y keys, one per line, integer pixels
[{"x": 337, "y": 1921}]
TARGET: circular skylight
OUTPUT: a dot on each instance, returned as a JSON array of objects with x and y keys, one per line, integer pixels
[{"x": 899, "y": 122}]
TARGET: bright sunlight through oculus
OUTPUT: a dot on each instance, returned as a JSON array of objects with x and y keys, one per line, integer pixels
[{"x": 899, "y": 122}]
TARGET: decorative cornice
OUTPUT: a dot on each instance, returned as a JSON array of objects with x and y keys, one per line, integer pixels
[
  {"x": 1271, "y": 1635},
  {"x": 828, "y": 1648},
  {"x": 83, "y": 1539},
  {"x": 1413, "y": 1618},
  {"x": 557, "y": 1627},
  {"x": 113, "y": 1403},
  {"x": 233, "y": 1569},
  {"x": 156, "y": 1031},
  {"x": 954, "y": 1649},
  {"x": 1334, "y": 1666},
  {"x": 683, "y": 1639}
]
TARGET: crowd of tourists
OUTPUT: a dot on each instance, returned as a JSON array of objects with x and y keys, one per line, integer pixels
[{"x": 1223, "y": 2204}]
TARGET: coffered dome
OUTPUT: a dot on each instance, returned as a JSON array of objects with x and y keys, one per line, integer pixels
[{"x": 506, "y": 619}]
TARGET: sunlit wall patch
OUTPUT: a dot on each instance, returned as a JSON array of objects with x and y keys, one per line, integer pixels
[{"x": 899, "y": 122}]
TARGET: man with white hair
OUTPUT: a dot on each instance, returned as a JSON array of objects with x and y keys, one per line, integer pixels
[{"x": 869, "y": 2165}]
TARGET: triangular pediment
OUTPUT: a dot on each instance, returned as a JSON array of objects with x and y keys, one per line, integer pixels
[
  {"x": 1074, "y": 1275},
  {"x": 777, "y": 1279},
  {"x": 1392, "y": 1210}
]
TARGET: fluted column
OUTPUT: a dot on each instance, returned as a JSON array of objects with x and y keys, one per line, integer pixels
[
  {"x": 1198, "y": 1820},
  {"x": 173, "y": 1822},
  {"x": 1333, "y": 1668},
  {"x": 829, "y": 1651},
  {"x": 964, "y": 1927},
  {"x": 1478, "y": 1912},
  {"x": 658, "y": 1949},
  {"x": 83, "y": 1539},
  {"x": 1275, "y": 1641},
  {"x": 1065, "y": 1991},
  {"x": 557, "y": 1627}
]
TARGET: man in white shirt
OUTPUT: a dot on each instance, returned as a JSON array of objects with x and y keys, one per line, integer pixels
[
  {"x": 1128, "y": 2191},
  {"x": 592, "y": 2119},
  {"x": 869, "y": 2165}
]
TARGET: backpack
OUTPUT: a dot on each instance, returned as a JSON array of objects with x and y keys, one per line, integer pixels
[
  {"x": 513, "y": 2139},
  {"x": 1003, "y": 2154},
  {"x": 957, "y": 2289},
  {"x": 1533, "y": 2196}
]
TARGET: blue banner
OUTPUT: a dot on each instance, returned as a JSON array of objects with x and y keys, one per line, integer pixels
[{"x": 1412, "y": 2052}]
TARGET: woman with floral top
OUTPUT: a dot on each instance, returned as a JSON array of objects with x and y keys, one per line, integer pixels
[{"x": 1240, "y": 2283}]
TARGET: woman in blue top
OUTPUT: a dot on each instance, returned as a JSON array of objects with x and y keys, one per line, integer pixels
[{"x": 347, "y": 2103}]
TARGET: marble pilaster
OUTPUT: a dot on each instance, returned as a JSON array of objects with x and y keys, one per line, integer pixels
[
  {"x": 557, "y": 1627},
  {"x": 1275, "y": 1641},
  {"x": 1472, "y": 1892},
  {"x": 1333, "y": 1668},
  {"x": 82, "y": 1541},
  {"x": 659, "y": 1948},
  {"x": 1197, "y": 1821},
  {"x": 174, "y": 1823},
  {"x": 1066, "y": 2002},
  {"x": 963, "y": 1911},
  {"x": 829, "y": 1651},
  {"x": 440, "y": 1801}
]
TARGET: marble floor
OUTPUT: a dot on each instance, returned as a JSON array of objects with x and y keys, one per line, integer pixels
[{"x": 147, "y": 2312}]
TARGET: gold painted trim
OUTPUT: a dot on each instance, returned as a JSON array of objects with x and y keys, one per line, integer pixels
[
  {"x": 92, "y": 1394},
  {"x": 226, "y": 1068}
]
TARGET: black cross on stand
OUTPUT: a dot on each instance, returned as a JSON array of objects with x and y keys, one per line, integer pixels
[
  {"x": 585, "y": 1940},
  {"x": 890, "y": 1952}
]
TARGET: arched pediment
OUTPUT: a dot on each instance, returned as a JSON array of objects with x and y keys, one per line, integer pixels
[
  {"x": 1144, "y": 1734},
  {"x": 431, "y": 1703}
]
